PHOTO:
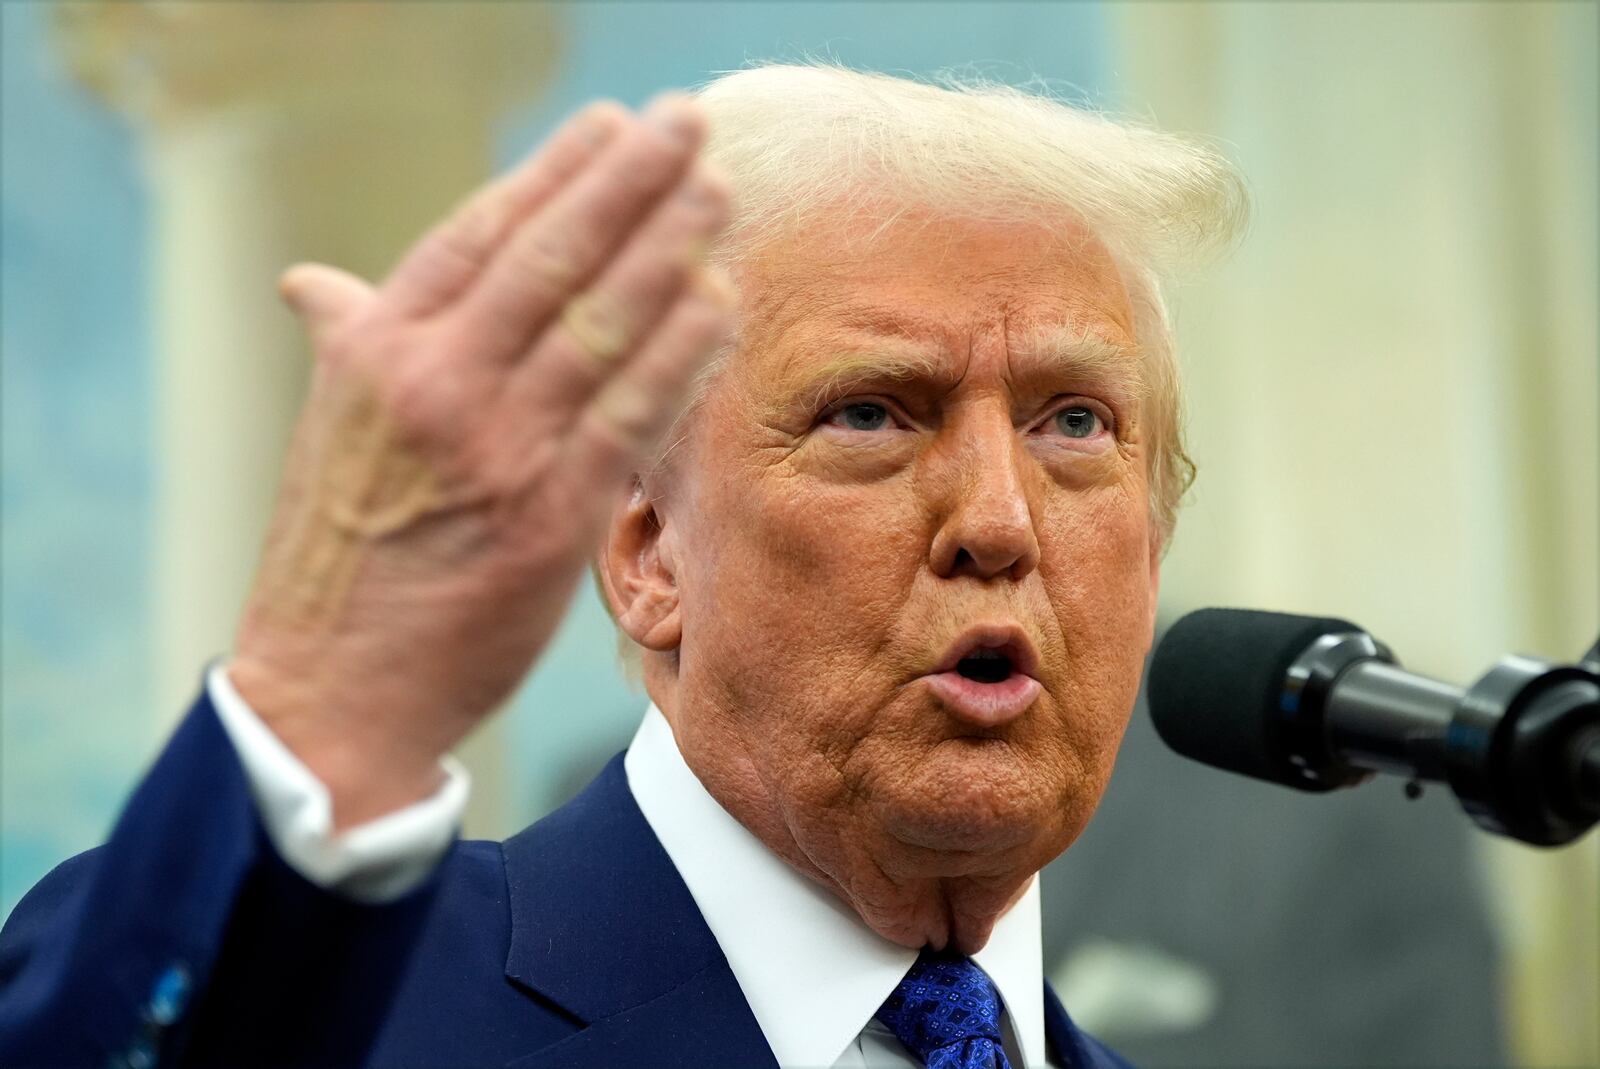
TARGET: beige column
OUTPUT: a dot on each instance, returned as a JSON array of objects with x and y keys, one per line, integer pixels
[{"x": 276, "y": 133}]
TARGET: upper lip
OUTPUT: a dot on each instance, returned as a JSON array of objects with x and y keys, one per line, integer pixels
[{"x": 1009, "y": 639}]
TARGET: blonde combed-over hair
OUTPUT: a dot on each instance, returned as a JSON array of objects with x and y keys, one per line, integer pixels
[{"x": 796, "y": 140}]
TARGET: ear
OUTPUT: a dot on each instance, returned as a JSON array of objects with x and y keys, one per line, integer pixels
[{"x": 638, "y": 573}]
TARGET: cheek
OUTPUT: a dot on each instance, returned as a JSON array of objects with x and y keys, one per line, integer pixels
[
  {"x": 1095, "y": 565},
  {"x": 797, "y": 583},
  {"x": 1094, "y": 546}
]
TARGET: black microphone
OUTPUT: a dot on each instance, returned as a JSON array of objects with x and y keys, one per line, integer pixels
[{"x": 1316, "y": 703}]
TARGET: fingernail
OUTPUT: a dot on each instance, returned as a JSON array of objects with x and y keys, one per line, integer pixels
[
  {"x": 598, "y": 127},
  {"x": 674, "y": 116}
]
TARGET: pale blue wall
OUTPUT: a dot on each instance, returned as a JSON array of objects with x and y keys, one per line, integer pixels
[
  {"x": 74, "y": 687},
  {"x": 74, "y": 461}
]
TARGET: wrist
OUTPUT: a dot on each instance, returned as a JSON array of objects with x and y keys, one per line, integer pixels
[{"x": 369, "y": 767}]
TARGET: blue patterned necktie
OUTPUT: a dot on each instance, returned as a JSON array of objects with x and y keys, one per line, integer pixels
[{"x": 947, "y": 1012}]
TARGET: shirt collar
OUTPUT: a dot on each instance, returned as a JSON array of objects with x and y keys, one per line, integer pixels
[{"x": 813, "y": 972}]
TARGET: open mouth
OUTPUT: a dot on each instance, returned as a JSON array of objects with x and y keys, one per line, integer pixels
[
  {"x": 985, "y": 666},
  {"x": 989, "y": 676},
  {"x": 991, "y": 654}
]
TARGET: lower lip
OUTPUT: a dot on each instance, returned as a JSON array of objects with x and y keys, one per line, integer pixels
[{"x": 984, "y": 704}]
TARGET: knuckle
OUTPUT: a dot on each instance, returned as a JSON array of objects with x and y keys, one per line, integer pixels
[
  {"x": 415, "y": 401},
  {"x": 476, "y": 220},
  {"x": 423, "y": 390},
  {"x": 596, "y": 325},
  {"x": 625, "y": 417},
  {"x": 477, "y": 224},
  {"x": 654, "y": 274},
  {"x": 551, "y": 262}
]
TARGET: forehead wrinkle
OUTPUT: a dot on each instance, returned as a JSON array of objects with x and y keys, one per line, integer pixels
[
  {"x": 848, "y": 317},
  {"x": 859, "y": 340}
]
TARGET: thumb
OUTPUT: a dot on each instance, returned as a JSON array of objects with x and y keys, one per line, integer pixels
[{"x": 321, "y": 295}]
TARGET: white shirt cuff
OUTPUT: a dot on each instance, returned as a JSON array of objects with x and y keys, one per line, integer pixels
[{"x": 378, "y": 861}]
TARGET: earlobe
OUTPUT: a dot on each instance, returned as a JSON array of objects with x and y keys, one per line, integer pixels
[{"x": 638, "y": 572}]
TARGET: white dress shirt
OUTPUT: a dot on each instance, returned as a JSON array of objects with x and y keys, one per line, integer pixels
[
  {"x": 378, "y": 861},
  {"x": 813, "y": 973}
]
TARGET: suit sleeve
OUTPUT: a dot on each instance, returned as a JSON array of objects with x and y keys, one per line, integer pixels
[{"x": 186, "y": 940}]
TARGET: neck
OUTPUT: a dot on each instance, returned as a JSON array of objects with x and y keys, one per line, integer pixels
[{"x": 910, "y": 894}]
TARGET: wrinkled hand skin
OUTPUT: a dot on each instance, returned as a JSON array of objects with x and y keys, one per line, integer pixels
[
  {"x": 469, "y": 422},
  {"x": 797, "y": 577}
]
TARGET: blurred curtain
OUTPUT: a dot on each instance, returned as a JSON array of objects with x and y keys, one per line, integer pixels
[{"x": 1393, "y": 386}]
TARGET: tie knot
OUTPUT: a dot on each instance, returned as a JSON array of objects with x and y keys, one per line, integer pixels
[{"x": 947, "y": 1013}]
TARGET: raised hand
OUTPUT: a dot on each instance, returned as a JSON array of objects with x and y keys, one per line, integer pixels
[{"x": 469, "y": 425}]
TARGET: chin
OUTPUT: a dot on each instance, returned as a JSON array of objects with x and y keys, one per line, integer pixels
[{"x": 973, "y": 796}]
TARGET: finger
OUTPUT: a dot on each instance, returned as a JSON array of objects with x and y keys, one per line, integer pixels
[
  {"x": 556, "y": 250},
  {"x": 322, "y": 296},
  {"x": 450, "y": 256},
  {"x": 627, "y": 417},
  {"x": 598, "y": 329}
]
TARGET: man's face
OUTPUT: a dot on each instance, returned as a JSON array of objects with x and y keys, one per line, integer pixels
[{"x": 926, "y": 447}]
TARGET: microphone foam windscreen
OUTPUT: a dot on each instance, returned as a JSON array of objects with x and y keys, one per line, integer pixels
[{"x": 1217, "y": 681}]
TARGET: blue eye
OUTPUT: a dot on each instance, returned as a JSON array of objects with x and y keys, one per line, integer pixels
[
  {"x": 1078, "y": 421},
  {"x": 862, "y": 416}
]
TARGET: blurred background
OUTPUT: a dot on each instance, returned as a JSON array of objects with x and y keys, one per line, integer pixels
[{"x": 1393, "y": 392}]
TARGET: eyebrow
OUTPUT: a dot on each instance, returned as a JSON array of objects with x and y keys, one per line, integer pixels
[
  {"x": 1082, "y": 355},
  {"x": 886, "y": 363},
  {"x": 1074, "y": 354}
]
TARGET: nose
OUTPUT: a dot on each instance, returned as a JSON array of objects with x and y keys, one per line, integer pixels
[{"x": 987, "y": 529}]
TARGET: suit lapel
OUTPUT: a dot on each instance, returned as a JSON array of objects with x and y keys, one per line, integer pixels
[
  {"x": 603, "y": 927},
  {"x": 704, "y": 1021},
  {"x": 1069, "y": 1046}
]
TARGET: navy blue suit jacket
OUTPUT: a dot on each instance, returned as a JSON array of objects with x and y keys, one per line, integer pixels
[{"x": 186, "y": 940}]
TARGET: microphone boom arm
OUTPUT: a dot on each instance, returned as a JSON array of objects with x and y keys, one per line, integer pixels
[{"x": 1520, "y": 748}]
